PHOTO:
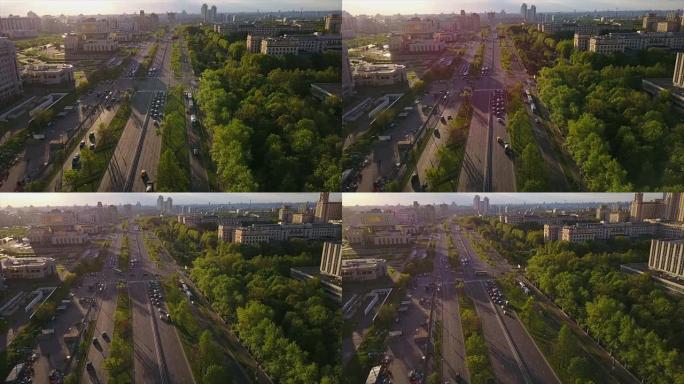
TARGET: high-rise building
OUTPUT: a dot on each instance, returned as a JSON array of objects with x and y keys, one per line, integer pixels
[
  {"x": 160, "y": 203},
  {"x": 678, "y": 75},
  {"x": 327, "y": 210},
  {"x": 213, "y": 14},
  {"x": 476, "y": 203},
  {"x": 523, "y": 11},
  {"x": 10, "y": 78},
  {"x": 205, "y": 12},
  {"x": 333, "y": 23},
  {"x": 532, "y": 14},
  {"x": 641, "y": 210}
]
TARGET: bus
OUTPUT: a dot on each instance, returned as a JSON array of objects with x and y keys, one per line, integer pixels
[{"x": 480, "y": 273}]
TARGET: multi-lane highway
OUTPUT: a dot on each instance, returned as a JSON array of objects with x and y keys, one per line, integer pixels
[
  {"x": 514, "y": 355},
  {"x": 486, "y": 166},
  {"x": 158, "y": 355}
]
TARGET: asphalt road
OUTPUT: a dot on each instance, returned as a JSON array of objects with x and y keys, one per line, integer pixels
[
  {"x": 453, "y": 343},
  {"x": 158, "y": 354},
  {"x": 514, "y": 356},
  {"x": 485, "y": 165},
  {"x": 106, "y": 306}
]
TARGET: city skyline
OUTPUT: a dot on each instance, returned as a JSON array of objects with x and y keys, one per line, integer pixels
[
  {"x": 76, "y": 7},
  {"x": 17, "y": 200},
  {"x": 374, "y": 199},
  {"x": 386, "y": 7}
]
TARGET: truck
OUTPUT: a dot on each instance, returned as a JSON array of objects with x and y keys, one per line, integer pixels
[{"x": 193, "y": 119}]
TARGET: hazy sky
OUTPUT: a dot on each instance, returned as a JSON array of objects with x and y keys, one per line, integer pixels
[
  {"x": 75, "y": 7},
  {"x": 351, "y": 199},
  {"x": 447, "y": 6},
  {"x": 61, "y": 199}
]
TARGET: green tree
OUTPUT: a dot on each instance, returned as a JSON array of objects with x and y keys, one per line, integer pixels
[{"x": 216, "y": 374}]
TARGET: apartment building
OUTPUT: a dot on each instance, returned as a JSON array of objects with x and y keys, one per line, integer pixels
[
  {"x": 620, "y": 42},
  {"x": 10, "y": 79}
]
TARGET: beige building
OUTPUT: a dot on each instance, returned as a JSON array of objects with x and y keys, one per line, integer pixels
[
  {"x": 27, "y": 267},
  {"x": 331, "y": 259},
  {"x": 581, "y": 41},
  {"x": 48, "y": 74},
  {"x": 226, "y": 233},
  {"x": 389, "y": 237},
  {"x": 333, "y": 23},
  {"x": 604, "y": 231},
  {"x": 327, "y": 210},
  {"x": 10, "y": 79},
  {"x": 641, "y": 210},
  {"x": 667, "y": 256},
  {"x": 279, "y": 46},
  {"x": 363, "y": 269},
  {"x": 620, "y": 42},
  {"x": 254, "y": 43},
  {"x": 355, "y": 235}
]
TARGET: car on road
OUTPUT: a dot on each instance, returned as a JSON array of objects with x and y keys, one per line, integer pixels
[
  {"x": 91, "y": 137},
  {"x": 76, "y": 162},
  {"x": 90, "y": 367},
  {"x": 500, "y": 140},
  {"x": 195, "y": 151},
  {"x": 437, "y": 133},
  {"x": 82, "y": 144},
  {"x": 500, "y": 120}
]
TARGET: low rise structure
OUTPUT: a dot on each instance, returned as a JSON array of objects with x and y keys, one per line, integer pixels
[
  {"x": 48, "y": 74},
  {"x": 27, "y": 267},
  {"x": 379, "y": 74},
  {"x": 542, "y": 220},
  {"x": 363, "y": 269}
]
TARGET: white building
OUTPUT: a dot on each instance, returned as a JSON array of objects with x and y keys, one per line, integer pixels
[
  {"x": 667, "y": 256},
  {"x": 48, "y": 74},
  {"x": 10, "y": 80},
  {"x": 678, "y": 75}
]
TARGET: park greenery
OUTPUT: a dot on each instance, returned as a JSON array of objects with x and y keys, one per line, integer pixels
[
  {"x": 477, "y": 357},
  {"x": 268, "y": 131},
  {"x": 119, "y": 364},
  {"x": 94, "y": 163},
  {"x": 289, "y": 326},
  {"x": 530, "y": 172},
  {"x": 476, "y": 65},
  {"x": 173, "y": 171},
  {"x": 629, "y": 315},
  {"x": 444, "y": 177},
  {"x": 621, "y": 138}
]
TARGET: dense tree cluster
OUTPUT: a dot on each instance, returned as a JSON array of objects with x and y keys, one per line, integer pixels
[
  {"x": 269, "y": 132},
  {"x": 477, "y": 357},
  {"x": 535, "y": 49},
  {"x": 620, "y": 137},
  {"x": 629, "y": 315},
  {"x": 290, "y": 326}
]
